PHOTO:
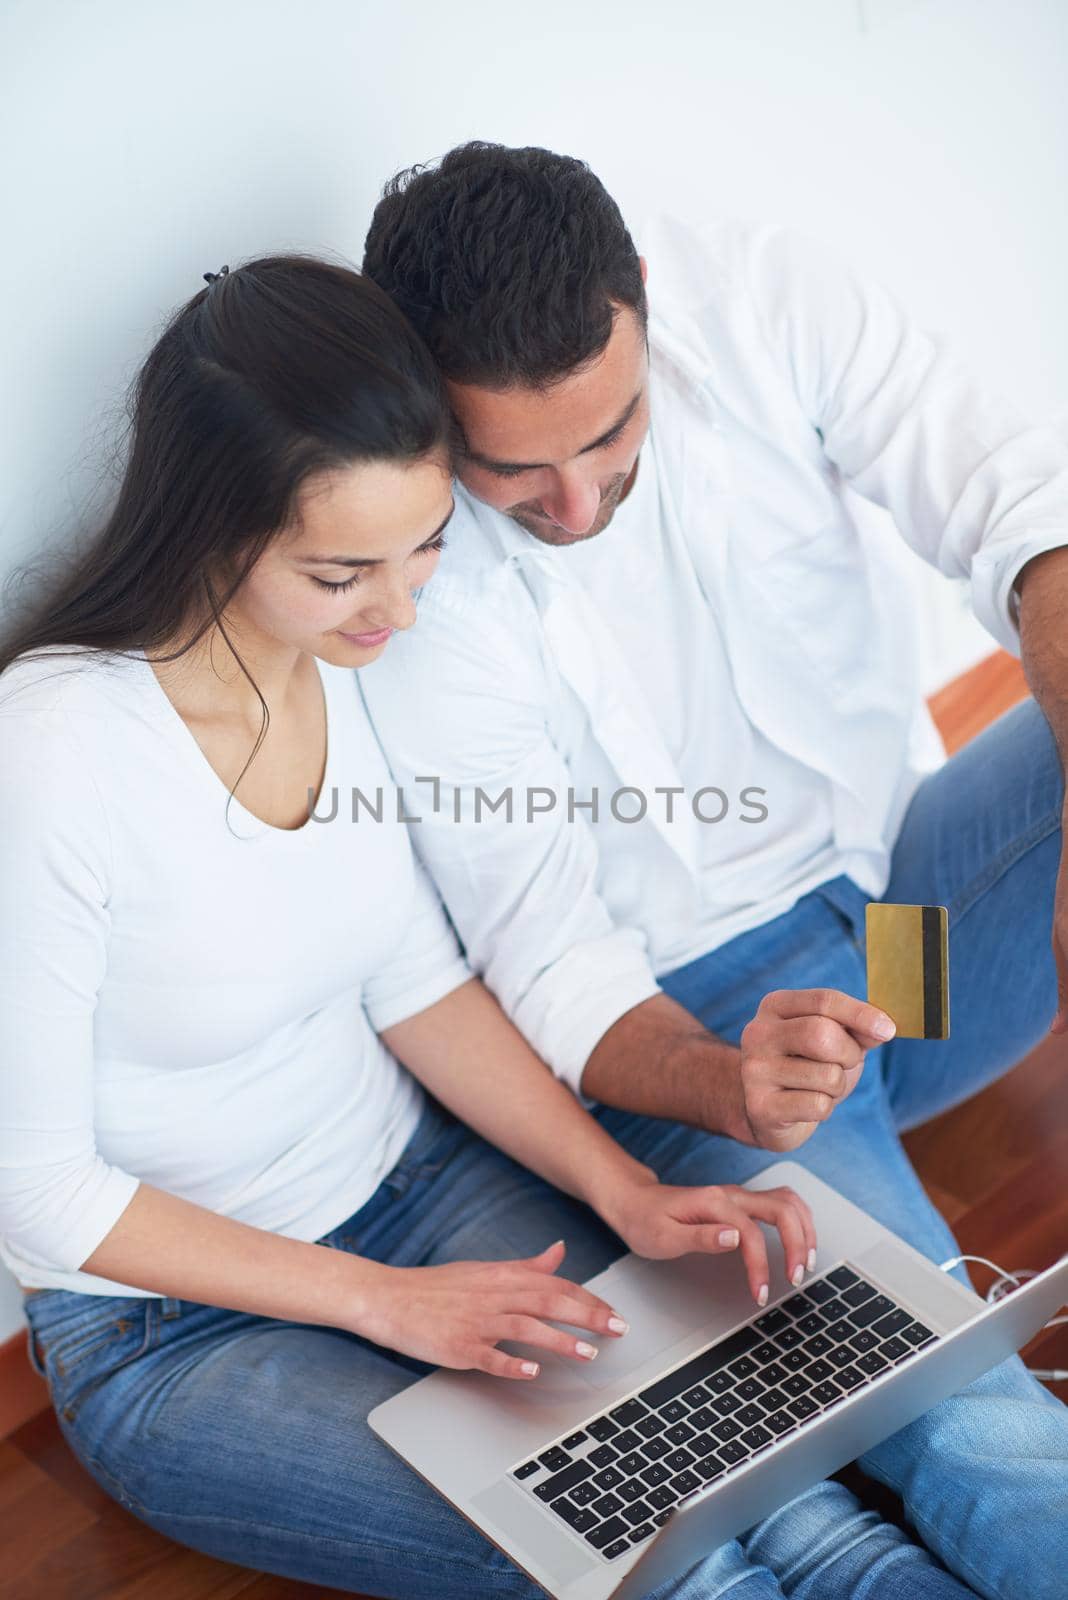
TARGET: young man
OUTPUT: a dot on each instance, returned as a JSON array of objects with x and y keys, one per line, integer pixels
[{"x": 661, "y": 724}]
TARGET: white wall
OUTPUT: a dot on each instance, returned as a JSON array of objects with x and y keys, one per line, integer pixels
[{"x": 145, "y": 143}]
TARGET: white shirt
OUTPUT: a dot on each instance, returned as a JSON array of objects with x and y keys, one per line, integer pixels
[
  {"x": 766, "y": 838},
  {"x": 186, "y": 1002},
  {"x": 781, "y": 389}
]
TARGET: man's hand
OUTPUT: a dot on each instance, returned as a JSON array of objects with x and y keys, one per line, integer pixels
[{"x": 801, "y": 1056}]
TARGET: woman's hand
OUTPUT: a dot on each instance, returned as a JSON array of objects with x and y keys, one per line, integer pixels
[
  {"x": 453, "y": 1315},
  {"x": 663, "y": 1221}
]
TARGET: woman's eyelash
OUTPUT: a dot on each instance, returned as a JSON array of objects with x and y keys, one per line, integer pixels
[
  {"x": 338, "y": 588},
  {"x": 350, "y": 583}
]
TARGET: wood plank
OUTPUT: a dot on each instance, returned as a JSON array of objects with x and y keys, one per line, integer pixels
[
  {"x": 271, "y": 1588},
  {"x": 121, "y": 1558},
  {"x": 1050, "y": 1350},
  {"x": 1023, "y": 1222},
  {"x": 966, "y": 706},
  {"x": 73, "y": 1544},
  {"x": 35, "y": 1514},
  {"x": 973, "y": 1149},
  {"x": 183, "y": 1574},
  {"x": 23, "y": 1392},
  {"x": 41, "y": 1441},
  {"x": 947, "y": 1204}
]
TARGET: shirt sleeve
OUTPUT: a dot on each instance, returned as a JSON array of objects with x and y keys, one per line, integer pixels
[
  {"x": 427, "y": 966},
  {"x": 58, "y": 1196},
  {"x": 973, "y": 487},
  {"x": 459, "y": 704}
]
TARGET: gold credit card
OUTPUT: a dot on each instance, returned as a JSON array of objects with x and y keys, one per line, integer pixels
[{"x": 908, "y": 967}]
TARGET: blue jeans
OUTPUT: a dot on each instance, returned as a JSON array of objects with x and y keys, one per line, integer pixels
[{"x": 246, "y": 1437}]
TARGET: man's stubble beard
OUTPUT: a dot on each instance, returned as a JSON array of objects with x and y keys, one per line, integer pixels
[{"x": 548, "y": 533}]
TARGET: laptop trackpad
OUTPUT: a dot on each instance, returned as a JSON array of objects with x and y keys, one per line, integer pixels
[
  {"x": 656, "y": 1321},
  {"x": 523, "y": 1523}
]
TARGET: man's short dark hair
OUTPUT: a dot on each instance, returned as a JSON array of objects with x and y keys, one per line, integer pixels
[{"x": 510, "y": 263}]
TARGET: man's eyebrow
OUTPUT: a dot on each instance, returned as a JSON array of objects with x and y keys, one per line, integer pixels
[
  {"x": 363, "y": 561},
  {"x": 530, "y": 466}
]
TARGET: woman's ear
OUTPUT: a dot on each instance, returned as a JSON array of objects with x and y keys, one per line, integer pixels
[{"x": 644, "y": 266}]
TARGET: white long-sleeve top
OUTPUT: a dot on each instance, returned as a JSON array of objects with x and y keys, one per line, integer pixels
[
  {"x": 189, "y": 999},
  {"x": 781, "y": 388}
]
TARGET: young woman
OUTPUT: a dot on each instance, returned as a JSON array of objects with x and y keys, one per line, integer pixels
[{"x": 267, "y": 1150}]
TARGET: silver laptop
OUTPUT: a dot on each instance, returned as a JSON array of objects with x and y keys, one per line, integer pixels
[{"x": 608, "y": 1478}]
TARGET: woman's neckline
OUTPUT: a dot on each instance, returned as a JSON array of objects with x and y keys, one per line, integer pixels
[{"x": 184, "y": 737}]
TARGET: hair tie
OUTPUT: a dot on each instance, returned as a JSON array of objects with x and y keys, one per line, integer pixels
[{"x": 211, "y": 278}]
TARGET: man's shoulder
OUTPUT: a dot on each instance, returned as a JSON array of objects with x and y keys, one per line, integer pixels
[
  {"x": 476, "y": 617},
  {"x": 701, "y": 273},
  {"x": 745, "y": 305},
  {"x": 696, "y": 263},
  {"x": 478, "y": 564}
]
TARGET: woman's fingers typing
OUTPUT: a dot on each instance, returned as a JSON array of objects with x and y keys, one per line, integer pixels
[
  {"x": 787, "y": 1212},
  {"x": 458, "y": 1314},
  {"x": 565, "y": 1301},
  {"x": 534, "y": 1308},
  {"x": 455, "y": 1314},
  {"x": 673, "y": 1220}
]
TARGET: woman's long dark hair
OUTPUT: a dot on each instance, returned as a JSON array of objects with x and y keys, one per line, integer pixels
[{"x": 283, "y": 367}]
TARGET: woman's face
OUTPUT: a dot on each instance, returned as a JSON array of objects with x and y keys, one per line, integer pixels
[{"x": 340, "y": 582}]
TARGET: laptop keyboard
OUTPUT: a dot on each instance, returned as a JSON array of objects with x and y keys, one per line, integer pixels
[{"x": 620, "y": 1476}]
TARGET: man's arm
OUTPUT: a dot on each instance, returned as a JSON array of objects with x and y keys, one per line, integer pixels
[
  {"x": 460, "y": 705},
  {"x": 461, "y": 710},
  {"x": 464, "y": 1050},
  {"x": 976, "y": 488},
  {"x": 697, "y": 1078},
  {"x": 798, "y": 1058},
  {"x": 1043, "y": 589}
]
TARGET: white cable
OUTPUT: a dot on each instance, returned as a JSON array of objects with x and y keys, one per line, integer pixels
[{"x": 998, "y": 1290}]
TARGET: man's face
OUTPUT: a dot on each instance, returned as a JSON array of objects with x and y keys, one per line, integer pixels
[
  {"x": 558, "y": 460},
  {"x": 339, "y": 581}
]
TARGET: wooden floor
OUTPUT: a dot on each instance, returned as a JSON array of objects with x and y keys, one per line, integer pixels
[{"x": 996, "y": 1167}]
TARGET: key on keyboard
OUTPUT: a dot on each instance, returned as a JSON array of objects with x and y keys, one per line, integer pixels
[{"x": 719, "y": 1409}]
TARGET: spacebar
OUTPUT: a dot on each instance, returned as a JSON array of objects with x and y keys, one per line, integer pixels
[{"x": 700, "y": 1366}]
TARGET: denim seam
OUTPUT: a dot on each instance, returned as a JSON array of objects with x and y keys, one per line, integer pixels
[
  {"x": 72, "y": 1406},
  {"x": 68, "y": 1354},
  {"x": 930, "y": 1530},
  {"x": 1036, "y": 835},
  {"x": 906, "y": 1551},
  {"x": 814, "y": 1558},
  {"x": 755, "y": 1571},
  {"x": 296, "y": 1534}
]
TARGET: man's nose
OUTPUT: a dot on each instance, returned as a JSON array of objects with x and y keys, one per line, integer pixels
[{"x": 573, "y": 502}]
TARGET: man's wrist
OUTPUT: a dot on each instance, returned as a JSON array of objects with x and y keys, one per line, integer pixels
[
  {"x": 659, "y": 1061},
  {"x": 713, "y": 1068}
]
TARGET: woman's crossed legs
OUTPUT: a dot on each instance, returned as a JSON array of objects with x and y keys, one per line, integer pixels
[{"x": 247, "y": 1438}]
